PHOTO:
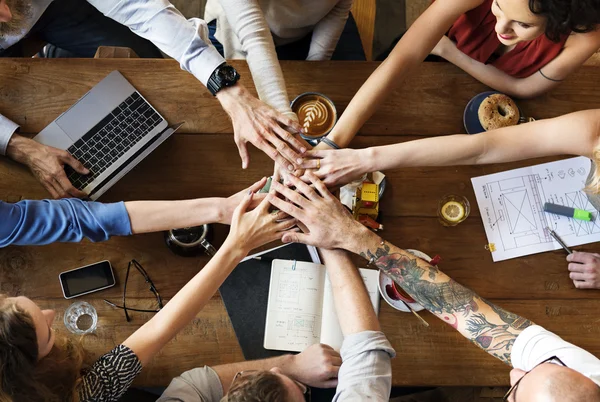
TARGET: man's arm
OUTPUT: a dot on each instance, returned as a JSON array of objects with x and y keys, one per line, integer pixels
[
  {"x": 485, "y": 324},
  {"x": 327, "y": 32},
  {"x": 187, "y": 42}
]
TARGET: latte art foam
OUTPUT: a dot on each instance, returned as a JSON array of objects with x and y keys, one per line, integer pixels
[{"x": 316, "y": 114}]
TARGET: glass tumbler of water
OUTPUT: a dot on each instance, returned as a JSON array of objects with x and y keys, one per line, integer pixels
[{"x": 81, "y": 318}]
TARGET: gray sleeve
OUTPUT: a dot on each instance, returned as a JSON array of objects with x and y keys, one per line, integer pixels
[
  {"x": 197, "y": 385},
  {"x": 366, "y": 371},
  {"x": 7, "y": 129}
]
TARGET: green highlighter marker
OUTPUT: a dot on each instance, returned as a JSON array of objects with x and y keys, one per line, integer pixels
[{"x": 574, "y": 213}]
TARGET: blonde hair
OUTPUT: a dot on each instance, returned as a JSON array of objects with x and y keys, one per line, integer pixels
[
  {"x": 25, "y": 377},
  {"x": 263, "y": 386},
  {"x": 593, "y": 187}
]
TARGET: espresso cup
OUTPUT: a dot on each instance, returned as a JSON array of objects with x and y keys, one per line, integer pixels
[
  {"x": 189, "y": 242},
  {"x": 316, "y": 113}
]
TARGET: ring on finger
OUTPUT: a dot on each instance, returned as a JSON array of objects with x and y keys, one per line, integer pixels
[{"x": 318, "y": 164}]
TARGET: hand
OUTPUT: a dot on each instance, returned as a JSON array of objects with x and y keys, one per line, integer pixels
[
  {"x": 584, "y": 269},
  {"x": 231, "y": 203},
  {"x": 443, "y": 46},
  {"x": 47, "y": 165},
  {"x": 264, "y": 127},
  {"x": 317, "y": 366},
  {"x": 322, "y": 214},
  {"x": 251, "y": 229},
  {"x": 336, "y": 167}
]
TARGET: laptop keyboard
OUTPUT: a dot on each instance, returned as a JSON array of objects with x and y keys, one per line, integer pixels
[{"x": 111, "y": 138}]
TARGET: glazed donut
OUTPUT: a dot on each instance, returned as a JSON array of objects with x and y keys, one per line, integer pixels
[{"x": 496, "y": 111}]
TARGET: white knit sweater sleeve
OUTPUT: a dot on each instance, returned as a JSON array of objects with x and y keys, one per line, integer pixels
[
  {"x": 327, "y": 32},
  {"x": 250, "y": 26}
]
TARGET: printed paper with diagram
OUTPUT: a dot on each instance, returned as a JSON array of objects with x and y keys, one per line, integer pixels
[{"x": 511, "y": 205}]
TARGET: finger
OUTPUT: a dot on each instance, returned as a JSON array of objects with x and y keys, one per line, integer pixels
[
  {"x": 68, "y": 159},
  {"x": 292, "y": 195},
  {"x": 576, "y": 267},
  {"x": 50, "y": 188},
  {"x": 578, "y": 256},
  {"x": 243, "y": 207},
  {"x": 579, "y": 276},
  {"x": 288, "y": 208},
  {"x": 279, "y": 216},
  {"x": 336, "y": 361},
  {"x": 319, "y": 185},
  {"x": 244, "y": 155},
  {"x": 258, "y": 185},
  {"x": 295, "y": 237},
  {"x": 290, "y": 124},
  {"x": 583, "y": 285},
  {"x": 67, "y": 187},
  {"x": 313, "y": 164},
  {"x": 276, "y": 173},
  {"x": 286, "y": 225},
  {"x": 333, "y": 370},
  {"x": 287, "y": 153},
  {"x": 305, "y": 189},
  {"x": 265, "y": 204},
  {"x": 58, "y": 188},
  {"x": 292, "y": 143}
]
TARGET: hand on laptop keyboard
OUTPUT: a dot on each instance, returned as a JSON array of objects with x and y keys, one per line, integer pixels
[
  {"x": 264, "y": 127},
  {"x": 46, "y": 163}
]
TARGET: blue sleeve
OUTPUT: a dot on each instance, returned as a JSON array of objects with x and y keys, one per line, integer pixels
[{"x": 70, "y": 220}]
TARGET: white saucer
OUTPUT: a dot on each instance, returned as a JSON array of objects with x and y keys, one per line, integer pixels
[{"x": 385, "y": 280}]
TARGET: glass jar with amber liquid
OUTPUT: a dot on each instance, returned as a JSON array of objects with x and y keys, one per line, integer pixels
[{"x": 453, "y": 209}]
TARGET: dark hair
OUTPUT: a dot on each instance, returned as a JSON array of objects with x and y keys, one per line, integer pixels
[
  {"x": 263, "y": 386},
  {"x": 565, "y": 16}
]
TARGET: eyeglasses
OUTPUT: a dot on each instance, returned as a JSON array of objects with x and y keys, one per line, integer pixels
[
  {"x": 513, "y": 389},
  {"x": 153, "y": 289},
  {"x": 248, "y": 373}
]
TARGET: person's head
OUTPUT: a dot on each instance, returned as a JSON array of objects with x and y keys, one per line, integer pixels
[
  {"x": 32, "y": 366},
  {"x": 525, "y": 20},
  {"x": 549, "y": 382},
  {"x": 13, "y": 14},
  {"x": 265, "y": 386}
]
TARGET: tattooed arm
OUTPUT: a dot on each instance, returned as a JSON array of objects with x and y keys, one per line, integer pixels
[{"x": 488, "y": 326}]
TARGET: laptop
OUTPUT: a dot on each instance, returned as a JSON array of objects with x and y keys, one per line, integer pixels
[{"x": 110, "y": 130}]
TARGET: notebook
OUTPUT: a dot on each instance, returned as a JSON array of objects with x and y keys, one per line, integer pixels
[{"x": 301, "y": 309}]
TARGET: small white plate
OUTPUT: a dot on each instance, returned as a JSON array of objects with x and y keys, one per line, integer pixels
[{"x": 385, "y": 280}]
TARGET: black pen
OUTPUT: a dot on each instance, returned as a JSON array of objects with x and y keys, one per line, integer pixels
[{"x": 559, "y": 240}]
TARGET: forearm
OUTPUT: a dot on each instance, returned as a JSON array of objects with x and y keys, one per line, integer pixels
[
  {"x": 226, "y": 372},
  {"x": 154, "y": 216},
  {"x": 349, "y": 293},
  {"x": 185, "y": 305},
  {"x": 485, "y": 324},
  {"x": 491, "y": 76},
  {"x": 327, "y": 32}
]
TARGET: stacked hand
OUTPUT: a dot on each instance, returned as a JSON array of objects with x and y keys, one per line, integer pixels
[
  {"x": 335, "y": 167},
  {"x": 584, "y": 269},
  {"x": 47, "y": 165},
  {"x": 264, "y": 127},
  {"x": 317, "y": 366},
  {"x": 254, "y": 228}
]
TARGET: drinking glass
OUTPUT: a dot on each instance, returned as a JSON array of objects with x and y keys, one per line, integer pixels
[
  {"x": 453, "y": 209},
  {"x": 81, "y": 318}
]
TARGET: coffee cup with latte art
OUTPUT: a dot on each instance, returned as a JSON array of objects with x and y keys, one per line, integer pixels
[{"x": 316, "y": 113}]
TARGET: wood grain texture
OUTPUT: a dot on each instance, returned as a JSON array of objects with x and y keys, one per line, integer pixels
[
  {"x": 364, "y": 15},
  {"x": 202, "y": 161}
]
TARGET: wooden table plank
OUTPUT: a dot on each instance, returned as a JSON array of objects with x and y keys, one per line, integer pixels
[
  {"x": 35, "y": 91},
  {"x": 202, "y": 161}
]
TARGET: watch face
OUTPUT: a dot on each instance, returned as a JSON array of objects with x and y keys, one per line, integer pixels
[{"x": 227, "y": 73}]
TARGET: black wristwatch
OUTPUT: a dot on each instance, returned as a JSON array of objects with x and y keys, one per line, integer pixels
[{"x": 223, "y": 76}]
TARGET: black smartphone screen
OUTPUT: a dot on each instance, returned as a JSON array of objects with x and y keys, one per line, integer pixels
[{"x": 87, "y": 279}]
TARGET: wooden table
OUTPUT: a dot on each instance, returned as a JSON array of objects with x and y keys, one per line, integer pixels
[{"x": 202, "y": 160}]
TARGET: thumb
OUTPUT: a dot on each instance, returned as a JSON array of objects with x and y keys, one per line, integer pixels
[
  {"x": 295, "y": 237},
  {"x": 244, "y": 155},
  {"x": 74, "y": 163},
  {"x": 244, "y": 204},
  {"x": 330, "y": 383}
]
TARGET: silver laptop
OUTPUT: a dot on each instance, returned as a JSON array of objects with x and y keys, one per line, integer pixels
[{"x": 110, "y": 130}]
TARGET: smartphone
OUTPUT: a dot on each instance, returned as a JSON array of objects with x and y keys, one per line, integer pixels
[{"x": 87, "y": 279}]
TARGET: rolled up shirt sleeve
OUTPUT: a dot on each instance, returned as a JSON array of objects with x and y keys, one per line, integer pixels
[
  {"x": 70, "y": 220},
  {"x": 185, "y": 40},
  {"x": 7, "y": 129},
  {"x": 366, "y": 371}
]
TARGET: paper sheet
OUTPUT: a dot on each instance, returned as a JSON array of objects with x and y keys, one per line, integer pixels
[{"x": 511, "y": 205}]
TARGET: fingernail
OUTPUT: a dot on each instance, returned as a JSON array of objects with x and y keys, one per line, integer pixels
[
  {"x": 290, "y": 167},
  {"x": 303, "y": 150},
  {"x": 249, "y": 192},
  {"x": 299, "y": 160}
]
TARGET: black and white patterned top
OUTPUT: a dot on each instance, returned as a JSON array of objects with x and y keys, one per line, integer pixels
[{"x": 110, "y": 376}]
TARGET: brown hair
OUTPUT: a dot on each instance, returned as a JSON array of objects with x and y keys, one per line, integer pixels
[
  {"x": 23, "y": 377},
  {"x": 263, "y": 386}
]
